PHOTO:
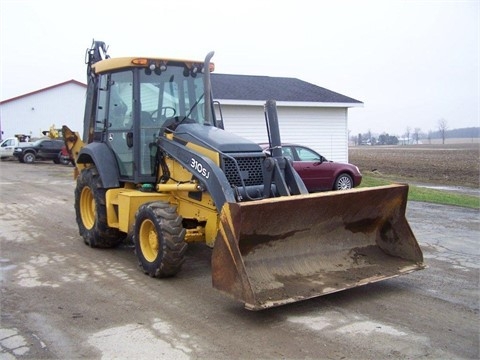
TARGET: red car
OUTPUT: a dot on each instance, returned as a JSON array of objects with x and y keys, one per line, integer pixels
[
  {"x": 64, "y": 157},
  {"x": 318, "y": 173}
]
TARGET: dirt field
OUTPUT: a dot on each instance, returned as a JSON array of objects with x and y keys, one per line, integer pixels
[{"x": 450, "y": 164}]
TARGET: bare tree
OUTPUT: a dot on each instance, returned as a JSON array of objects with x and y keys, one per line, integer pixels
[
  {"x": 407, "y": 134},
  {"x": 442, "y": 128},
  {"x": 355, "y": 140},
  {"x": 416, "y": 133}
]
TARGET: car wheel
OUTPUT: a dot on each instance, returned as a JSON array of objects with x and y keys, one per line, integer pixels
[
  {"x": 29, "y": 158},
  {"x": 64, "y": 160},
  {"x": 343, "y": 182}
]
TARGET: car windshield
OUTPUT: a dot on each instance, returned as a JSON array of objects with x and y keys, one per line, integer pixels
[{"x": 175, "y": 92}]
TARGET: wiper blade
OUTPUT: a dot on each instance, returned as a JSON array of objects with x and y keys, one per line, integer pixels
[{"x": 193, "y": 106}]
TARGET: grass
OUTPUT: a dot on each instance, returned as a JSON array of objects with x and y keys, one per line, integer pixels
[{"x": 417, "y": 193}]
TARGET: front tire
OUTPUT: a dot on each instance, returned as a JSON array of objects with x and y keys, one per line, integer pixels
[
  {"x": 63, "y": 160},
  {"x": 28, "y": 158},
  {"x": 159, "y": 239},
  {"x": 91, "y": 211},
  {"x": 343, "y": 182}
]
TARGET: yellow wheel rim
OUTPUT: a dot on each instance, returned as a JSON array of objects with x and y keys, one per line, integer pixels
[
  {"x": 87, "y": 208},
  {"x": 148, "y": 240}
]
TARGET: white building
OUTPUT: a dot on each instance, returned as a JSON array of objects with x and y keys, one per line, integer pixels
[
  {"x": 308, "y": 114},
  {"x": 32, "y": 113}
]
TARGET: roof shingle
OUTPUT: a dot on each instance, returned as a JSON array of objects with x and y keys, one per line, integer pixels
[{"x": 250, "y": 87}]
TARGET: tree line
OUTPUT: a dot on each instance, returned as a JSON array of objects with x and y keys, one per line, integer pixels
[{"x": 415, "y": 135}]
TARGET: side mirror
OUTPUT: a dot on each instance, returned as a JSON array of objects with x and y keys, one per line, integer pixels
[{"x": 319, "y": 161}]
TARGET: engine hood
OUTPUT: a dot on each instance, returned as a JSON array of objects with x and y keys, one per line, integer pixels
[{"x": 214, "y": 138}]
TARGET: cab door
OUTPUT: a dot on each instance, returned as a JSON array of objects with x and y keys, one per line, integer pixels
[
  {"x": 6, "y": 149},
  {"x": 119, "y": 121},
  {"x": 45, "y": 149}
]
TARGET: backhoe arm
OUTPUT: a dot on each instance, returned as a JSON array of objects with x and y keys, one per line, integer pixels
[{"x": 74, "y": 144}]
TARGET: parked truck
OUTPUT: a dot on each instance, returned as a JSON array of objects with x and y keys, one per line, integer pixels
[
  {"x": 8, "y": 145},
  {"x": 155, "y": 164}
]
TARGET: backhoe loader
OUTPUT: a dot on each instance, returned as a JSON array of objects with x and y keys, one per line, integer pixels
[{"x": 156, "y": 165}]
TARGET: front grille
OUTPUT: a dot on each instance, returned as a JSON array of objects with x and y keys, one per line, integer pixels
[{"x": 250, "y": 170}]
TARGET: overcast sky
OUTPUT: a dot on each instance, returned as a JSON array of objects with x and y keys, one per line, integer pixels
[{"x": 410, "y": 62}]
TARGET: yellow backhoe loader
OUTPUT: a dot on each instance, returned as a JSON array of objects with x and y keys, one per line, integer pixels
[{"x": 156, "y": 164}]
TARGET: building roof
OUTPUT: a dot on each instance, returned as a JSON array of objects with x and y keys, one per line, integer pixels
[
  {"x": 262, "y": 88},
  {"x": 254, "y": 88},
  {"x": 44, "y": 89}
]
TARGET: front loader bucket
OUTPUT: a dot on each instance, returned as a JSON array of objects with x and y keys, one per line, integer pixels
[{"x": 281, "y": 250}]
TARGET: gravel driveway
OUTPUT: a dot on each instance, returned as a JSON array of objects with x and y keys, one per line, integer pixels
[{"x": 63, "y": 300}]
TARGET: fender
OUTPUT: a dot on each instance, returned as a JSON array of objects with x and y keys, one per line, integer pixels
[{"x": 104, "y": 159}]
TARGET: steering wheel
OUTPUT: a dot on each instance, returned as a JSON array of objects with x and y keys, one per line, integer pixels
[{"x": 163, "y": 113}]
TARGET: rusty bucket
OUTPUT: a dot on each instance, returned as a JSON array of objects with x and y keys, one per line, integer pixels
[{"x": 281, "y": 250}]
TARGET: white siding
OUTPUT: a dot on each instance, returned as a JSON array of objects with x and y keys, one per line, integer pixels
[
  {"x": 322, "y": 129},
  {"x": 246, "y": 121},
  {"x": 34, "y": 113}
]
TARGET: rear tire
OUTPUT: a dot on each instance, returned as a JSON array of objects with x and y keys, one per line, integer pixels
[
  {"x": 91, "y": 211},
  {"x": 159, "y": 239},
  {"x": 28, "y": 158},
  {"x": 56, "y": 160},
  {"x": 343, "y": 182}
]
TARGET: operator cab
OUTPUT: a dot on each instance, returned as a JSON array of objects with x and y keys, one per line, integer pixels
[{"x": 137, "y": 104}]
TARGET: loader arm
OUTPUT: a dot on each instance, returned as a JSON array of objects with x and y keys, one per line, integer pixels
[
  {"x": 211, "y": 176},
  {"x": 279, "y": 169}
]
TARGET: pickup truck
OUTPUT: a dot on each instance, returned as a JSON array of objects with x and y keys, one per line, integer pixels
[
  {"x": 43, "y": 149},
  {"x": 8, "y": 145}
]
